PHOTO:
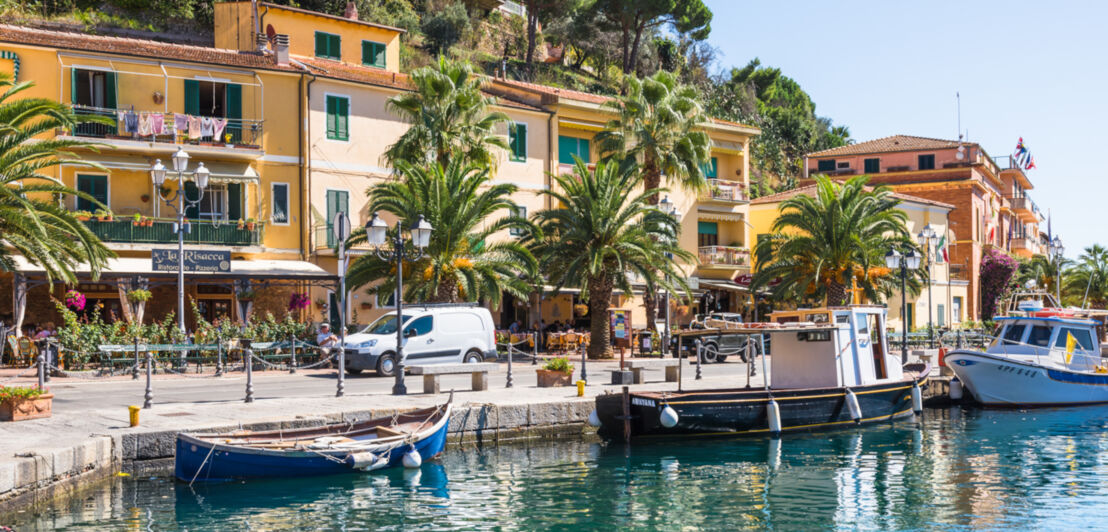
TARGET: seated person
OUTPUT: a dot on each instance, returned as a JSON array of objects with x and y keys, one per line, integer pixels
[
  {"x": 326, "y": 338},
  {"x": 514, "y": 327}
]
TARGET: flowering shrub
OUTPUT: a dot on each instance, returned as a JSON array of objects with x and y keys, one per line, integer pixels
[
  {"x": 299, "y": 301},
  {"x": 7, "y": 393},
  {"x": 997, "y": 269},
  {"x": 75, "y": 300}
]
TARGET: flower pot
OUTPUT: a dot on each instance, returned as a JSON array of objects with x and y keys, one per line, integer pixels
[
  {"x": 82, "y": 218},
  {"x": 549, "y": 378},
  {"x": 249, "y": 226},
  {"x": 20, "y": 409}
]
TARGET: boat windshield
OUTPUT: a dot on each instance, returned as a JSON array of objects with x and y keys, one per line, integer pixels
[
  {"x": 384, "y": 325},
  {"x": 1081, "y": 336}
]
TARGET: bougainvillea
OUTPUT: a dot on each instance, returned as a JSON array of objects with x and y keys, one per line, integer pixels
[
  {"x": 75, "y": 300},
  {"x": 997, "y": 269},
  {"x": 299, "y": 301}
]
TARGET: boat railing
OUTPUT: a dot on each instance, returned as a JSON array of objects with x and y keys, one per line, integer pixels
[{"x": 1091, "y": 362}]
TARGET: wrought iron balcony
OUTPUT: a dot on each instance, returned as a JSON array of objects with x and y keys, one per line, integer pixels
[
  {"x": 723, "y": 190},
  {"x": 125, "y": 230},
  {"x": 723, "y": 256},
  {"x": 240, "y": 132}
]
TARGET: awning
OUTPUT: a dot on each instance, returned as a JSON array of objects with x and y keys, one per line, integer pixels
[
  {"x": 286, "y": 270},
  {"x": 575, "y": 124},
  {"x": 727, "y": 147},
  {"x": 720, "y": 284},
  {"x": 719, "y": 216},
  {"x": 221, "y": 171}
]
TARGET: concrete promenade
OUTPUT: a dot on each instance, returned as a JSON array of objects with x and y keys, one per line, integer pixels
[{"x": 88, "y": 436}]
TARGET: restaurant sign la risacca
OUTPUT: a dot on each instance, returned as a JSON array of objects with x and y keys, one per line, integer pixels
[{"x": 196, "y": 260}]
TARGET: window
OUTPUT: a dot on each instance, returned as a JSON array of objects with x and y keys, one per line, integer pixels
[
  {"x": 707, "y": 234},
  {"x": 1013, "y": 334},
  {"x": 93, "y": 88},
  {"x": 338, "y": 116},
  {"x": 926, "y": 162},
  {"x": 1084, "y": 341},
  {"x": 956, "y": 310},
  {"x": 522, "y": 213},
  {"x": 95, "y": 186},
  {"x": 1040, "y": 336},
  {"x": 280, "y": 203},
  {"x": 872, "y": 166},
  {"x": 827, "y": 165},
  {"x": 328, "y": 45},
  {"x": 220, "y": 202},
  {"x": 215, "y": 99},
  {"x": 373, "y": 54},
  {"x": 337, "y": 201},
  {"x": 710, "y": 169},
  {"x": 517, "y": 141},
  {"x": 570, "y": 146},
  {"x": 421, "y": 325}
]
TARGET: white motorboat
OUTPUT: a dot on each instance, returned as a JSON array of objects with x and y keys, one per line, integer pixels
[{"x": 1047, "y": 358}]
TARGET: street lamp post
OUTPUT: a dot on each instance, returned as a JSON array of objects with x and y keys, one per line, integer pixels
[
  {"x": 927, "y": 239},
  {"x": 894, "y": 260},
  {"x": 376, "y": 234},
  {"x": 666, "y": 206},
  {"x": 1057, "y": 249},
  {"x": 200, "y": 176}
]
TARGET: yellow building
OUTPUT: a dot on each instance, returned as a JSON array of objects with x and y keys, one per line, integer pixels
[{"x": 948, "y": 299}]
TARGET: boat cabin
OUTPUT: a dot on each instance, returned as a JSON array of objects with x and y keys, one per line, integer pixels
[
  {"x": 814, "y": 315},
  {"x": 1048, "y": 340},
  {"x": 849, "y": 349}
]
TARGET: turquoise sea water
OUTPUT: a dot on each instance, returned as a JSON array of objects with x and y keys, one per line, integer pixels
[{"x": 955, "y": 470}]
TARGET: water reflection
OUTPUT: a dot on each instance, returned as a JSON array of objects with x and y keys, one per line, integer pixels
[{"x": 957, "y": 469}]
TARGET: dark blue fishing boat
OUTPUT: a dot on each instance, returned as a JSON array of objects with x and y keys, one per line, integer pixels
[{"x": 407, "y": 439}]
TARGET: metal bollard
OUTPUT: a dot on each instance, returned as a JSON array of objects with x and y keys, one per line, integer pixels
[
  {"x": 698, "y": 354},
  {"x": 509, "y": 383},
  {"x": 584, "y": 361},
  {"x": 135, "y": 370},
  {"x": 49, "y": 361},
  {"x": 749, "y": 360},
  {"x": 535, "y": 352},
  {"x": 959, "y": 334},
  {"x": 41, "y": 361},
  {"x": 149, "y": 397},
  {"x": 292, "y": 354},
  {"x": 219, "y": 358},
  {"x": 248, "y": 356}
]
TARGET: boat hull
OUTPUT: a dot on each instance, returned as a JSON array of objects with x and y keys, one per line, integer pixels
[
  {"x": 746, "y": 411},
  {"x": 200, "y": 459},
  {"x": 1001, "y": 381}
]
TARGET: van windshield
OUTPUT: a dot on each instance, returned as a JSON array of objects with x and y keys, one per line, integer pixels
[{"x": 384, "y": 325}]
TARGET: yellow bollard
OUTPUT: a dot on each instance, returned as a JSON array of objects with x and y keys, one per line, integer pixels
[
  {"x": 580, "y": 388},
  {"x": 134, "y": 410}
]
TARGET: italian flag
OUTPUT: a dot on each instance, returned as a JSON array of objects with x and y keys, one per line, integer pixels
[{"x": 941, "y": 247}]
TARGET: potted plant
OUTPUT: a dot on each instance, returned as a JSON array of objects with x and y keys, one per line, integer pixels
[
  {"x": 139, "y": 295},
  {"x": 75, "y": 300},
  {"x": 148, "y": 222},
  {"x": 24, "y": 402},
  {"x": 145, "y": 198},
  {"x": 556, "y": 372},
  {"x": 241, "y": 224},
  {"x": 83, "y": 216},
  {"x": 245, "y": 295},
  {"x": 103, "y": 216},
  {"x": 581, "y": 309},
  {"x": 138, "y": 220},
  {"x": 250, "y": 223}
]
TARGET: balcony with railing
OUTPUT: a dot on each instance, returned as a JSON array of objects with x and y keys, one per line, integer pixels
[
  {"x": 238, "y": 133},
  {"x": 725, "y": 191},
  {"x": 161, "y": 232},
  {"x": 1025, "y": 208},
  {"x": 724, "y": 256}
]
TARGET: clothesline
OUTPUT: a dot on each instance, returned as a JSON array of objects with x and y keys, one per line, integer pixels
[{"x": 145, "y": 124}]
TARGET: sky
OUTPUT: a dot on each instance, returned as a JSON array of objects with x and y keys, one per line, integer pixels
[{"x": 1031, "y": 70}]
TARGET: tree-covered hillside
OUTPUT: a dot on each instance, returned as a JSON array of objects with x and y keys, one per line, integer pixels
[{"x": 589, "y": 45}]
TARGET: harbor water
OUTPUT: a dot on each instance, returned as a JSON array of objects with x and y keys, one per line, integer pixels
[{"x": 956, "y": 469}]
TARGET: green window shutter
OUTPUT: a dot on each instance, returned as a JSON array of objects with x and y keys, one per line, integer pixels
[
  {"x": 192, "y": 193},
  {"x": 331, "y": 118},
  {"x": 335, "y": 47},
  {"x": 95, "y": 186},
  {"x": 233, "y": 95},
  {"x": 337, "y": 201},
  {"x": 280, "y": 199},
  {"x": 707, "y": 228},
  {"x": 373, "y": 54},
  {"x": 342, "y": 118},
  {"x": 367, "y": 53},
  {"x": 872, "y": 166},
  {"x": 192, "y": 97},
  {"x": 234, "y": 201},
  {"x": 518, "y": 141},
  {"x": 380, "y": 55},
  {"x": 73, "y": 85},
  {"x": 583, "y": 149},
  {"x": 715, "y": 168},
  {"x": 827, "y": 165},
  {"x": 321, "y": 44},
  {"x": 109, "y": 90},
  {"x": 567, "y": 147}
]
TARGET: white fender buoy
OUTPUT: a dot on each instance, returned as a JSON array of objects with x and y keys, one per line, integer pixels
[
  {"x": 917, "y": 399},
  {"x": 853, "y": 406},
  {"x": 412, "y": 459},
  {"x": 594, "y": 419},
  {"x": 367, "y": 461},
  {"x": 955, "y": 389},
  {"x": 774, "y": 413},
  {"x": 668, "y": 418}
]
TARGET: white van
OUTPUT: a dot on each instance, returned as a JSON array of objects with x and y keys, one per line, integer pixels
[{"x": 433, "y": 334}]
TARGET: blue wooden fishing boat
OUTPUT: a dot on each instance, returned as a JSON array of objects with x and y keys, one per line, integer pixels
[{"x": 408, "y": 439}]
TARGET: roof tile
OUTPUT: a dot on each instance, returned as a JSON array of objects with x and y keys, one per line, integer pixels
[
  {"x": 810, "y": 189},
  {"x": 892, "y": 143}
]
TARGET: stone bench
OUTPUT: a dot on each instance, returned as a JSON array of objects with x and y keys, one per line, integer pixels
[
  {"x": 637, "y": 367},
  {"x": 479, "y": 371}
]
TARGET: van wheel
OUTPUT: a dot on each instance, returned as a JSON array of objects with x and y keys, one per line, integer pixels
[
  {"x": 473, "y": 357},
  {"x": 386, "y": 365}
]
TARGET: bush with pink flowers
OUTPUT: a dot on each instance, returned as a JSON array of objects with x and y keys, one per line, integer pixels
[
  {"x": 997, "y": 269},
  {"x": 75, "y": 300},
  {"x": 299, "y": 301}
]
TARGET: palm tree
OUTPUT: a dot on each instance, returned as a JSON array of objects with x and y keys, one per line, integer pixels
[
  {"x": 449, "y": 117},
  {"x": 660, "y": 126},
  {"x": 823, "y": 244},
  {"x": 33, "y": 222},
  {"x": 600, "y": 234},
  {"x": 1087, "y": 279},
  {"x": 1038, "y": 268},
  {"x": 460, "y": 263}
]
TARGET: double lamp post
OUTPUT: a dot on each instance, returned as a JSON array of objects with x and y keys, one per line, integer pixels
[{"x": 200, "y": 178}]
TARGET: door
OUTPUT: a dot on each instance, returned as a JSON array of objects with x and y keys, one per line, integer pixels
[
  {"x": 337, "y": 201},
  {"x": 419, "y": 342},
  {"x": 95, "y": 186}
]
